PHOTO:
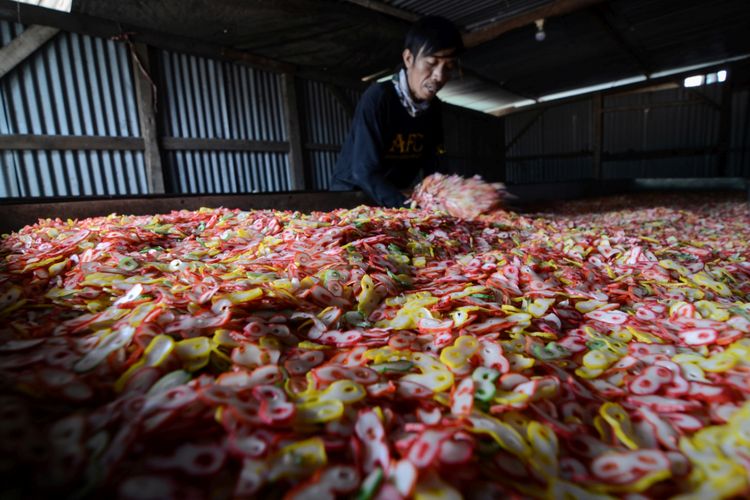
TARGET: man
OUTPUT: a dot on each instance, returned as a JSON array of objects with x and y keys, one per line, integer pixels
[{"x": 397, "y": 128}]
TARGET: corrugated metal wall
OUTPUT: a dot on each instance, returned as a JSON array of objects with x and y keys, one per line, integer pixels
[
  {"x": 206, "y": 98},
  {"x": 675, "y": 119},
  {"x": 681, "y": 127},
  {"x": 739, "y": 145},
  {"x": 561, "y": 135},
  {"x": 326, "y": 123},
  {"x": 73, "y": 85},
  {"x": 472, "y": 143}
]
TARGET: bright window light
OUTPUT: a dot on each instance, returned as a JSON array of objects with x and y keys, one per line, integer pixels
[
  {"x": 694, "y": 81},
  {"x": 722, "y": 75},
  {"x": 62, "y": 5}
]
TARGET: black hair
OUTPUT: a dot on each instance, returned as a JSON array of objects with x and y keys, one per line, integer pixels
[{"x": 432, "y": 34}]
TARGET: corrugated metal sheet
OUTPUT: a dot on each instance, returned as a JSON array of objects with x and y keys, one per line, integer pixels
[
  {"x": 73, "y": 85},
  {"x": 580, "y": 50},
  {"x": 469, "y": 15},
  {"x": 206, "y": 98},
  {"x": 739, "y": 156},
  {"x": 321, "y": 165},
  {"x": 559, "y": 129},
  {"x": 673, "y": 119},
  {"x": 229, "y": 171},
  {"x": 667, "y": 119},
  {"x": 325, "y": 121},
  {"x": 473, "y": 143}
]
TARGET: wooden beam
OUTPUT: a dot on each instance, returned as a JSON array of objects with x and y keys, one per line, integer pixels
[
  {"x": 146, "y": 94},
  {"x": 655, "y": 154},
  {"x": 256, "y": 61},
  {"x": 552, "y": 9},
  {"x": 666, "y": 104},
  {"x": 597, "y": 134},
  {"x": 23, "y": 46},
  {"x": 294, "y": 133},
  {"x": 29, "y": 142},
  {"x": 311, "y": 146},
  {"x": 19, "y": 212},
  {"x": 725, "y": 126},
  {"x": 550, "y": 156},
  {"x": 197, "y": 144},
  {"x": 650, "y": 88}
]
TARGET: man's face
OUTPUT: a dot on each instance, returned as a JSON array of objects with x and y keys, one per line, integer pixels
[{"x": 428, "y": 74}]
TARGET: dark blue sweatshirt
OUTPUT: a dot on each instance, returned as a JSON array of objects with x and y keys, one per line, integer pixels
[{"x": 386, "y": 148}]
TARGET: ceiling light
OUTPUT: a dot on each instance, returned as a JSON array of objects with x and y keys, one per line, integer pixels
[{"x": 540, "y": 35}]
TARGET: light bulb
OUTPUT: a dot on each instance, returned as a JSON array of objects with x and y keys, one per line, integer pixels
[{"x": 540, "y": 35}]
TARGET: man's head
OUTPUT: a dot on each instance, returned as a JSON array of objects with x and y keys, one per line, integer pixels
[{"x": 430, "y": 55}]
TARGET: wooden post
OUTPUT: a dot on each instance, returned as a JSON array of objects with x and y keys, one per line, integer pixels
[
  {"x": 294, "y": 131},
  {"x": 145, "y": 90},
  {"x": 725, "y": 126},
  {"x": 597, "y": 134},
  {"x": 23, "y": 46}
]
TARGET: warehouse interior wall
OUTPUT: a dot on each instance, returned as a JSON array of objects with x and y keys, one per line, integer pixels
[
  {"x": 222, "y": 126},
  {"x": 73, "y": 86},
  {"x": 208, "y": 99},
  {"x": 665, "y": 132}
]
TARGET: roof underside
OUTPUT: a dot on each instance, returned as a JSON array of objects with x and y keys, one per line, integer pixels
[{"x": 587, "y": 41}]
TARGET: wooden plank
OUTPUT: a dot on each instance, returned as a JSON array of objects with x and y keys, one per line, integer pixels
[
  {"x": 549, "y": 156},
  {"x": 311, "y": 146},
  {"x": 597, "y": 134},
  {"x": 17, "y": 213},
  {"x": 725, "y": 126},
  {"x": 197, "y": 144},
  {"x": 23, "y": 46},
  {"x": 551, "y": 9},
  {"x": 666, "y": 104},
  {"x": 31, "y": 142},
  {"x": 294, "y": 133},
  {"x": 145, "y": 93}
]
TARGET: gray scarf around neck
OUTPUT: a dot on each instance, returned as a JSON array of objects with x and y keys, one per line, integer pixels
[{"x": 401, "y": 84}]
